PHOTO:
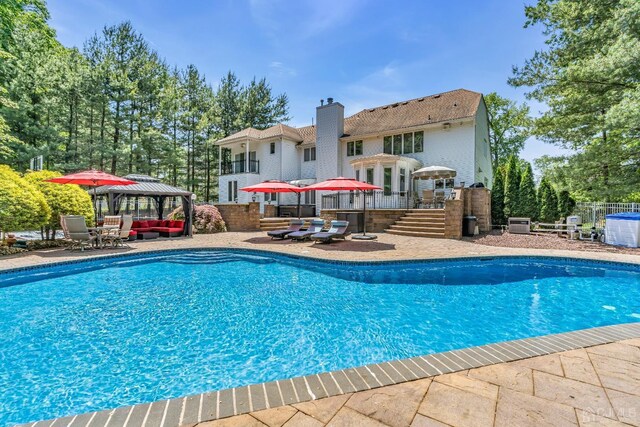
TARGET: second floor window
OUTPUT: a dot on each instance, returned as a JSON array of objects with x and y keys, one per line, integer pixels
[
  {"x": 309, "y": 154},
  {"x": 354, "y": 148},
  {"x": 272, "y": 148},
  {"x": 411, "y": 142}
]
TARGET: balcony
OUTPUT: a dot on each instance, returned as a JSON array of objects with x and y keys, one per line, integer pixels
[{"x": 240, "y": 166}]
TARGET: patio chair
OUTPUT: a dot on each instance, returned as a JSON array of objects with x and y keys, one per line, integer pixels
[
  {"x": 117, "y": 237},
  {"x": 427, "y": 198},
  {"x": 438, "y": 198},
  {"x": 78, "y": 232},
  {"x": 338, "y": 230},
  {"x": 65, "y": 230},
  {"x": 316, "y": 226},
  {"x": 294, "y": 225}
]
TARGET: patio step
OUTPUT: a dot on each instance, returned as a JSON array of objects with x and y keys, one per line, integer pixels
[
  {"x": 436, "y": 228},
  {"x": 269, "y": 224},
  {"x": 416, "y": 233},
  {"x": 419, "y": 223}
]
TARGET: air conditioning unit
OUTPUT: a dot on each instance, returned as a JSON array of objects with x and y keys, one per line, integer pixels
[{"x": 520, "y": 225}]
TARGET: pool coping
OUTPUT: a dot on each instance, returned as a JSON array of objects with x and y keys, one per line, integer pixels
[{"x": 209, "y": 406}]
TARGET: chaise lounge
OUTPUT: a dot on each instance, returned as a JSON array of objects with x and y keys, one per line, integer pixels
[
  {"x": 315, "y": 227},
  {"x": 338, "y": 230},
  {"x": 294, "y": 225}
]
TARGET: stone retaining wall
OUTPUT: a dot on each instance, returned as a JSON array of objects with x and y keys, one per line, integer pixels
[
  {"x": 270, "y": 211},
  {"x": 477, "y": 202},
  {"x": 241, "y": 216},
  {"x": 377, "y": 220}
]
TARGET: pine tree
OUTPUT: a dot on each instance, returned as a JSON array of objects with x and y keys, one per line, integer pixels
[
  {"x": 528, "y": 200},
  {"x": 497, "y": 198},
  {"x": 512, "y": 188},
  {"x": 548, "y": 202}
]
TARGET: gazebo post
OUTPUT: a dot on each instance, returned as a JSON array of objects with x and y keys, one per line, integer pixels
[{"x": 160, "y": 206}]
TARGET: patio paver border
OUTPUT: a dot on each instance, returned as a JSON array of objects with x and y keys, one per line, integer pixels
[{"x": 190, "y": 410}]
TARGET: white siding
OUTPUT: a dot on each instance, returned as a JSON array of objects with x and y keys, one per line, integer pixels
[{"x": 483, "y": 151}]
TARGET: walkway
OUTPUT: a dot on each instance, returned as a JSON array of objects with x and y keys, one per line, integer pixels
[{"x": 596, "y": 386}]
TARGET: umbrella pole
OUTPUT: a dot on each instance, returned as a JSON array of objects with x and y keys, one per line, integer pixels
[
  {"x": 95, "y": 208},
  {"x": 298, "y": 204},
  {"x": 364, "y": 213}
]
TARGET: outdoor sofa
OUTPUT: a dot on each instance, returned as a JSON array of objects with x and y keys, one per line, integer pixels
[{"x": 166, "y": 227}]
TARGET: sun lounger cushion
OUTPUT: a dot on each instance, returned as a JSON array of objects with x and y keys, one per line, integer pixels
[
  {"x": 338, "y": 230},
  {"x": 315, "y": 227},
  {"x": 295, "y": 225}
]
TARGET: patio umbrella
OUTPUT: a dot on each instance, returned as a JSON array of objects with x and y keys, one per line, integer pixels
[
  {"x": 274, "y": 186},
  {"x": 434, "y": 172},
  {"x": 347, "y": 184},
  {"x": 91, "y": 178}
]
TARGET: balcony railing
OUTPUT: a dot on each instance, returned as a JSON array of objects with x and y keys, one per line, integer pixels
[
  {"x": 240, "y": 166},
  {"x": 376, "y": 199}
]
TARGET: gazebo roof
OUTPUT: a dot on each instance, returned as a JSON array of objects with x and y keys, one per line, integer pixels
[{"x": 146, "y": 186}]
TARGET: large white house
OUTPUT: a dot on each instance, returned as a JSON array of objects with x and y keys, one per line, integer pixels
[{"x": 381, "y": 145}]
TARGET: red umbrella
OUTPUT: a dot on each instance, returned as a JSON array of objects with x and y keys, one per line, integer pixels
[
  {"x": 346, "y": 184},
  {"x": 91, "y": 178},
  {"x": 274, "y": 186}
]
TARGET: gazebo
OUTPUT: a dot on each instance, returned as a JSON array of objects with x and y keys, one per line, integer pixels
[{"x": 147, "y": 187}]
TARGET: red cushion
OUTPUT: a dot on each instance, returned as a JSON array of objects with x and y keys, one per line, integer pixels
[
  {"x": 165, "y": 223},
  {"x": 176, "y": 224},
  {"x": 144, "y": 224},
  {"x": 133, "y": 233},
  {"x": 142, "y": 229},
  {"x": 135, "y": 224},
  {"x": 163, "y": 229},
  {"x": 175, "y": 229}
]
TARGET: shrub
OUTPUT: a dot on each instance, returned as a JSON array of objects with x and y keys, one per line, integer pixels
[
  {"x": 512, "y": 188},
  {"x": 497, "y": 198},
  {"x": 22, "y": 205},
  {"x": 566, "y": 204},
  {"x": 207, "y": 219},
  {"x": 67, "y": 199},
  {"x": 527, "y": 194},
  {"x": 548, "y": 202}
]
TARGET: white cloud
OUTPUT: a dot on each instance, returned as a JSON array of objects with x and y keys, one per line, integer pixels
[
  {"x": 279, "y": 69},
  {"x": 302, "y": 19}
]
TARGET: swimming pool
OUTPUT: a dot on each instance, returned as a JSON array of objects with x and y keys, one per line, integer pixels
[{"x": 99, "y": 334}]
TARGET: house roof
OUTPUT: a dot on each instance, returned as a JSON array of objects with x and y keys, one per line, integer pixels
[
  {"x": 279, "y": 130},
  {"x": 453, "y": 105}
]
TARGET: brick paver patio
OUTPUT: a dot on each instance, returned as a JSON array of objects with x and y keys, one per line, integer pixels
[{"x": 596, "y": 386}]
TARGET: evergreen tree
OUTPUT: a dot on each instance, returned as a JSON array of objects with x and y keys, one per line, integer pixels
[
  {"x": 566, "y": 204},
  {"x": 512, "y": 188},
  {"x": 497, "y": 198},
  {"x": 548, "y": 202},
  {"x": 528, "y": 200}
]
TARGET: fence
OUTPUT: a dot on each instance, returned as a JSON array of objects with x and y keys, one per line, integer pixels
[
  {"x": 593, "y": 213},
  {"x": 376, "y": 199}
]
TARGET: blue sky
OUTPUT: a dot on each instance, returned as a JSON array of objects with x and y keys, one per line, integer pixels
[{"x": 362, "y": 53}]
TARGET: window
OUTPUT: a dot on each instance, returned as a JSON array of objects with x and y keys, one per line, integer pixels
[
  {"x": 410, "y": 142},
  {"x": 253, "y": 163},
  {"x": 386, "y": 145},
  {"x": 354, "y": 148},
  {"x": 370, "y": 176},
  {"x": 387, "y": 181},
  {"x": 272, "y": 148},
  {"x": 270, "y": 197},
  {"x": 232, "y": 194},
  {"x": 309, "y": 154},
  {"x": 309, "y": 197},
  {"x": 418, "y": 142},
  {"x": 240, "y": 163},
  {"x": 397, "y": 144},
  {"x": 403, "y": 179},
  {"x": 358, "y": 175},
  {"x": 407, "y": 143}
]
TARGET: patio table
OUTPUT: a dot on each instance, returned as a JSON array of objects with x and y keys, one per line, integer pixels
[{"x": 100, "y": 231}]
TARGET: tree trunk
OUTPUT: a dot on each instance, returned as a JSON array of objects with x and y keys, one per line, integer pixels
[{"x": 116, "y": 139}]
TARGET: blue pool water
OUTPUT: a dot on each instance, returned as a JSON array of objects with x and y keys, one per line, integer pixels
[{"x": 101, "y": 334}]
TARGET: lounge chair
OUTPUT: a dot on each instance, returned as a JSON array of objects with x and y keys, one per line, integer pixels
[
  {"x": 338, "y": 230},
  {"x": 294, "y": 225},
  {"x": 118, "y": 236},
  {"x": 78, "y": 232},
  {"x": 63, "y": 226},
  {"x": 316, "y": 226}
]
